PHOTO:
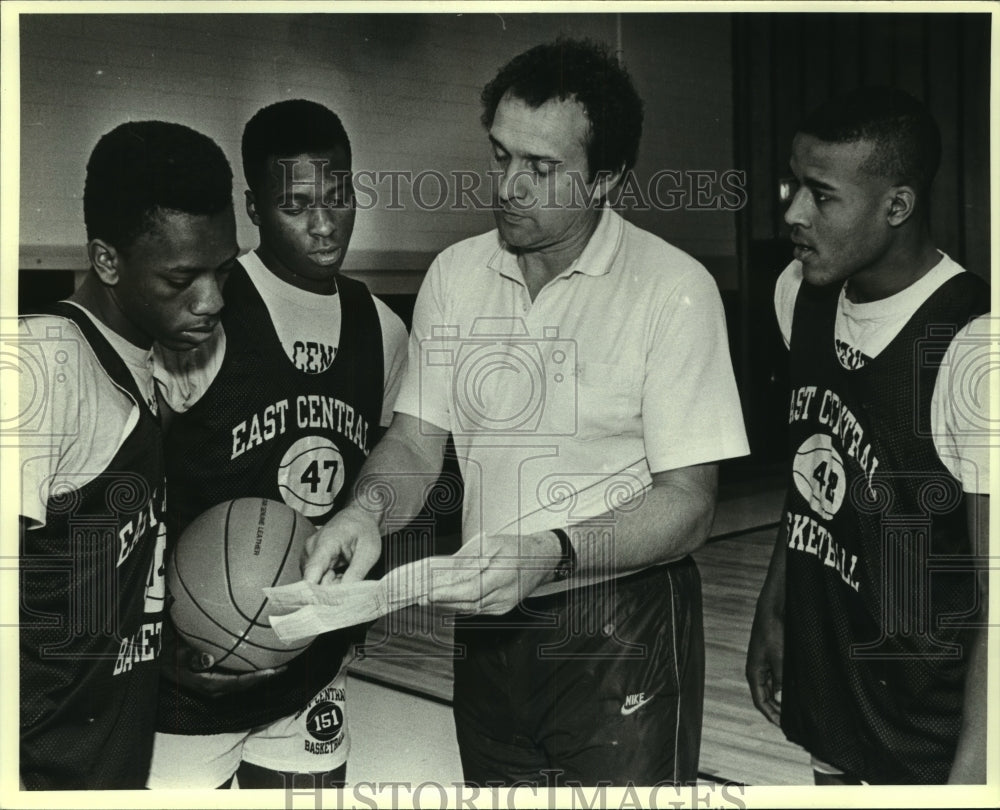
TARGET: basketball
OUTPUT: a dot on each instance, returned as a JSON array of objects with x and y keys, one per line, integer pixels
[{"x": 216, "y": 575}]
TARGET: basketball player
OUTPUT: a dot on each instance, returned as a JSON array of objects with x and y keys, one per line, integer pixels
[
  {"x": 586, "y": 663},
  {"x": 870, "y": 623},
  {"x": 285, "y": 401},
  {"x": 159, "y": 216}
]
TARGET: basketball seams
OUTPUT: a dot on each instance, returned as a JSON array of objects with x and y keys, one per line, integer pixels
[
  {"x": 212, "y": 620},
  {"x": 288, "y": 548},
  {"x": 240, "y": 639},
  {"x": 239, "y": 646},
  {"x": 226, "y": 653},
  {"x": 194, "y": 603},
  {"x": 252, "y": 622},
  {"x": 226, "y": 567},
  {"x": 277, "y": 574}
]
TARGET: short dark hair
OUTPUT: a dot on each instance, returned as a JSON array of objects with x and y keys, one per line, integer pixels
[
  {"x": 143, "y": 167},
  {"x": 906, "y": 139},
  {"x": 286, "y": 129},
  {"x": 583, "y": 71}
]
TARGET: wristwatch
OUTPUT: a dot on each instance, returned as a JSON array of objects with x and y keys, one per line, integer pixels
[{"x": 567, "y": 562}]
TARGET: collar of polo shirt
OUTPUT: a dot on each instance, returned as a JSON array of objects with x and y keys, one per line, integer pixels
[{"x": 596, "y": 259}]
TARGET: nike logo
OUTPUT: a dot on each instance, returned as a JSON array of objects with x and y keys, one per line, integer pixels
[{"x": 633, "y": 702}]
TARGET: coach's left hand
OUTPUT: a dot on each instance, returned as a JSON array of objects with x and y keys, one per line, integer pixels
[{"x": 502, "y": 571}]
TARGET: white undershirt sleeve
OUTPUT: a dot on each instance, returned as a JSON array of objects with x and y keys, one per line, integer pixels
[
  {"x": 960, "y": 405},
  {"x": 425, "y": 386},
  {"x": 394, "y": 353},
  {"x": 786, "y": 290},
  {"x": 74, "y": 418}
]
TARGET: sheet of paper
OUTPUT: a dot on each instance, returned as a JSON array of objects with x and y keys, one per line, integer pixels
[
  {"x": 315, "y": 609},
  {"x": 319, "y": 609}
]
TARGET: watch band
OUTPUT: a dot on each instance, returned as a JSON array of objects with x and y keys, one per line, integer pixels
[{"x": 567, "y": 563}]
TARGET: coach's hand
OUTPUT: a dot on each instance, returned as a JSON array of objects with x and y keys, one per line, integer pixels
[
  {"x": 764, "y": 661},
  {"x": 502, "y": 570},
  {"x": 351, "y": 538},
  {"x": 192, "y": 669}
]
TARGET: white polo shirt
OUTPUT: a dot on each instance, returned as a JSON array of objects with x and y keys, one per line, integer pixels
[{"x": 561, "y": 408}]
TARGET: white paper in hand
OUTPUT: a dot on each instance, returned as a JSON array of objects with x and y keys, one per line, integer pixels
[
  {"x": 322, "y": 608},
  {"x": 318, "y": 609}
]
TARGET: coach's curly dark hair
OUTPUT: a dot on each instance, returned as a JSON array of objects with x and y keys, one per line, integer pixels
[
  {"x": 143, "y": 167},
  {"x": 584, "y": 71},
  {"x": 285, "y": 129}
]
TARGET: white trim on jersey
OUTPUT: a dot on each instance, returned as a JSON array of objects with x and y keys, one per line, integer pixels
[
  {"x": 868, "y": 328},
  {"x": 308, "y": 326}
]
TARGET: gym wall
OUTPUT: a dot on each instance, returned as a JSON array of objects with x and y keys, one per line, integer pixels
[{"x": 406, "y": 85}]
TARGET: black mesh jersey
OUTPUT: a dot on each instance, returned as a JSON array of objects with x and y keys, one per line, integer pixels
[
  {"x": 873, "y": 669},
  {"x": 267, "y": 428},
  {"x": 91, "y": 610}
]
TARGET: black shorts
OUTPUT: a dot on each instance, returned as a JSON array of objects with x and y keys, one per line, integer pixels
[{"x": 602, "y": 684}]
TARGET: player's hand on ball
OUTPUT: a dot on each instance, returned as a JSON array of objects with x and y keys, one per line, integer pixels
[
  {"x": 192, "y": 669},
  {"x": 351, "y": 538},
  {"x": 502, "y": 570}
]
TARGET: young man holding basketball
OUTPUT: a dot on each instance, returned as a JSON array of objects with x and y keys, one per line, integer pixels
[
  {"x": 869, "y": 641},
  {"x": 159, "y": 217},
  {"x": 285, "y": 402}
]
